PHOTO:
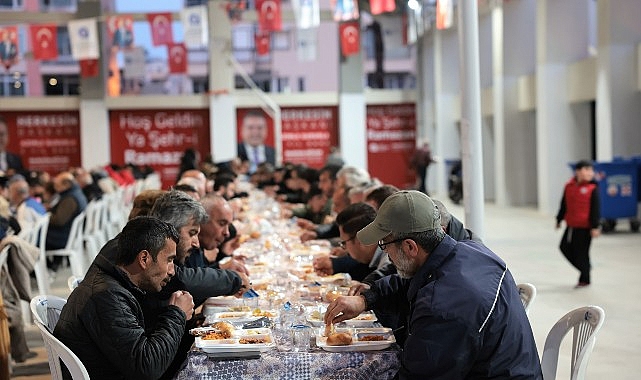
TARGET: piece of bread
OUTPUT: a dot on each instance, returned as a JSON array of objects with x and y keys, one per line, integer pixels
[{"x": 339, "y": 339}]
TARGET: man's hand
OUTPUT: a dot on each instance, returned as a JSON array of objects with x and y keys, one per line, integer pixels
[
  {"x": 357, "y": 288},
  {"x": 235, "y": 265},
  {"x": 595, "y": 232},
  {"x": 245, "y": 286},
  {"x": 338, "y": 252},
  {"x": 344, "y": 307},
  {"x": 184, "y": 301},
  {"x": 323, "y": 266},
  {"x": 308, "y": 235},
  {"x": 305, "y": 224}
]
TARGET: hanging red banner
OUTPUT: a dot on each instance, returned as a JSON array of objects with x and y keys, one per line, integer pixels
[
  {"x": 89, "y": 68},
  {"x": 8, "y": 46},
  {"x": 350, "y": 38},
  {"x": 161, "y": 29},
  {"x": 381, "y": 6},
  {"x": 391, "y": 139},
  {"x": 47, "y": 141},
  {"x": 269, "y": 15},
  {"x": 44, "y": 41},
  {"x": 158, "y": 138},
  {"x": 262, "y": 41},
  {"x": 177, "y": 55}
]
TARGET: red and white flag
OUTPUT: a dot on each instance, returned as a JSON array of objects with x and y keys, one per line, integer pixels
[
  {"x": 161, "y": 29},
  {"x": 44, "y": 41},
  {"x": 350, "y": 38},
  {"x": 262, "y": 41},
  {"x": 381, "y": 6},
  {"x": 177, "y": 55},
  {"x": 89, "y": 68},
  {"x": 269, "y": 15}
]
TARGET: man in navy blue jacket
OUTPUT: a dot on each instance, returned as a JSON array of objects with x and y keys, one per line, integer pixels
[{"x": 465, "y": 317}]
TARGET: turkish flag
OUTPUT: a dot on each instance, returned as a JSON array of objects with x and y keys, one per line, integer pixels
[
  {"x": 44, "y": 41},
  {"x": 177, "y": 54},
  {"x": 161, "y": 30},
  {"x": 381, "y": 6},
  {"x": 88, "y": 68},
  {"x": 350, "y": 38},
  {"x": 269, "y": 15},
  {"x": 262, "y": 40}
]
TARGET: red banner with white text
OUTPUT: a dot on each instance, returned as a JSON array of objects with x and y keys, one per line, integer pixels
[
  {"x": 308, "y": 133},
  {"x": 47, "y": 141},
  {"x": 391, "y": 139},
  {"x": 158, "y": 138}
]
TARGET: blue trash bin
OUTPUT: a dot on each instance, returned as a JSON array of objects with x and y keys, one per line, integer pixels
[{"x": 618, "y": 192}]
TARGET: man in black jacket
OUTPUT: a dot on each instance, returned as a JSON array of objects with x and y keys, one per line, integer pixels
[{"x": 103, "y": 321}]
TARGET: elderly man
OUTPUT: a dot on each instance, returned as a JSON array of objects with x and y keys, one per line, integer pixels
[
  {"x": 465, "y": 317},
  {"x": 26, "y": 209},
  {"x": 103, "y": 321},
  {"x": 71, "y": 203}
]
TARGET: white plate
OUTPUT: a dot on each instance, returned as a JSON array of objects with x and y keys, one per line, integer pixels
[
  {"x": 362, "y": 320},
  {"x": 231, "y": 345},
  {"x": 235, "y": 317},
  {"x": 224, "y": 301},
  {"x": 356, "y": 345}
]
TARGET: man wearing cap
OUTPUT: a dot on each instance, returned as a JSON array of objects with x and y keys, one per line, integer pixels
[{"x": 465, "y": 317}]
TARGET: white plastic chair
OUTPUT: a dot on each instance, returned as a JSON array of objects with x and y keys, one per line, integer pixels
[
  {"x": 527, "y": 292},
  {"x": 74, "y": 249},
  {"x": 46, "y": 309},
  {"x": 57, "y": 351},
  {"x": 585, "y": 323},
  {"x": 94, "y": 234},
  {"x": 37, "y": 236}
]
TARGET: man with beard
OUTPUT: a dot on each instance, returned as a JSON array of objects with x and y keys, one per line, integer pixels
[
  {"x": 102, "y": 321},
  {"x": 465, "y": 316}
]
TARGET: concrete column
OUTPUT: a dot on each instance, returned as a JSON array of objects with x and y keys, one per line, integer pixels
[
  {"x": 439, "y": 123},
  {"x": 560, "y": 136},
  {"x": 498, "y": 95},
  {"x": 617, "y": 96},
  {"x": 352, "y": 111},
  {"x": 222, "y": 103},
  {"x": 94, "y": 117}
]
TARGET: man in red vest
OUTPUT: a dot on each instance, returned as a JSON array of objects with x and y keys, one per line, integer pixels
[{"x": 580, "y": 209}]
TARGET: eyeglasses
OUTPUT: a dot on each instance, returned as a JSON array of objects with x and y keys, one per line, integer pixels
[
  {"x": 382, "y": 245},
  {"x": 343, "y": 243}
]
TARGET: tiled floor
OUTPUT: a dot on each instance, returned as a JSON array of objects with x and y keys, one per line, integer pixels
[{"x": 528, "y": 242}]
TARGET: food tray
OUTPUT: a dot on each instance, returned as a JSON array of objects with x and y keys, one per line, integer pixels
[{"x": 359, "y": 345}]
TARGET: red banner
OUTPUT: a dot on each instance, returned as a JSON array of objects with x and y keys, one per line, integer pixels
[
  {"x": 381, "y": 6},
  {"x": 161, "y": 30},
  {"x": 350, "y": 38},
  {"x": 44, "y": 41},
  {"x": 89, "y": 68},
  {"x": 47, "y": 141},
  {"x": 177, "y": 56},
  {"x": 121, "y": 31},
  {"x": 308, "y": 133},
  {"x": 158, "y": 138},
  {"x": 269, "y": 15},
  {"x": 8, "y": 46},
  {"x": 391, "y": 138},
  {"x": 262, "y": 42}
]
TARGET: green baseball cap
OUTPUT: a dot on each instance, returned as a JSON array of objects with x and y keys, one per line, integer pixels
[{"x": 404, "y": 211}]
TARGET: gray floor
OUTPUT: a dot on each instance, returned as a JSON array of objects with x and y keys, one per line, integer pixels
[{"x": 528, "y": 242}]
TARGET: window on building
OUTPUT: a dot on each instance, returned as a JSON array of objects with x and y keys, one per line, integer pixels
[
  {"x": 58, "y": 5},
  {"x": 201, "y": 85},
  {"x": 10, "y": 4},
  {"x": 61, "y": 85},
  {"x": 301, "y": 84},
  {"x": 398, "y": 80},
  {"x": 12, "y": 84},
  {"x": 64, "y": 43}
]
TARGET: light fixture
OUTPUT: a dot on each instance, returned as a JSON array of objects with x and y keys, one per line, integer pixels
[
  {"x": 53, "y": 81},
  {"x": 17, "y": 84},
  {"x": 413, "y": 4}
]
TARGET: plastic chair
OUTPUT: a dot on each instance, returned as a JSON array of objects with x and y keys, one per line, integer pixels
[
  {"x": 37, "y": 236},
  {"x": 46, "y": 310},
  {"x": 57, "y": 351},
  {"x": 74, "y": 249},
  {"x": 527, "y": 292},
  {"x": 585, "y": 323}
]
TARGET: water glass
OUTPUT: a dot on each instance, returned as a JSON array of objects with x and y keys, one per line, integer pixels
[{"x": 301, "y": 334}]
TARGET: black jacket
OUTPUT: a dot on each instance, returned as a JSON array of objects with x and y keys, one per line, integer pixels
[{"x": 103, "y": 323}]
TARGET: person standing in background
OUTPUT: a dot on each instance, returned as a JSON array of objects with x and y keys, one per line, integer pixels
[
  {"x": 9, "y": 163},
  {"x": 254, "y": 134},
  {"x": 580, "y": 208},
  {"x": 420, "y": 161}
]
